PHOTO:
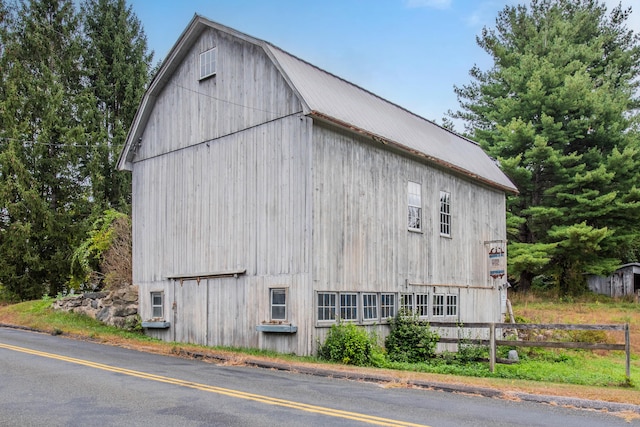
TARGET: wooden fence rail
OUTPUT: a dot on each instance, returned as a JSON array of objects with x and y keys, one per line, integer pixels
[{"x": 493, "y": 342}]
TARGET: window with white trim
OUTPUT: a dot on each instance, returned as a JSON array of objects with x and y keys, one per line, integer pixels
[
  {"x": 452, "y": 305},
  {"x": 414, "y": 191},
  {"x": 445, "y": 214},
  {"x": 438, "y": 305},
  {"x": 406, "y": 303},
  {"x": 208, "y": 63},
  {"x": 422, "y": 305},
  {"x": 327, "y": 306},
  {"x": 369, "y": 307},
  {"x": 387, "y": 306},
  {"x": 157, "y": 305},
  {"x": 278, "y": 299},
  {"x": 349, "y": 306}
]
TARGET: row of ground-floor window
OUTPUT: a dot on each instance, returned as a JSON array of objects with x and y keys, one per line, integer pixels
[
  {"x": 359, "y": 307},
  {"x": 376, "y": 307}
]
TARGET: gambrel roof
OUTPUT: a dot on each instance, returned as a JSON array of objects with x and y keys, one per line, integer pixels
[{"x": 329, "y": 98}]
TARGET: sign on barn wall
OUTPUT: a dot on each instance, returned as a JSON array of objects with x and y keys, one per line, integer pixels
[{"x": 497, "y": 262}]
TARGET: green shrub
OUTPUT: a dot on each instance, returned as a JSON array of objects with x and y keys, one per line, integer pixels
[
  {"x": 468, "y": 352},
  {"x": 410, "y": 340},
  {"x": 104, "y": 257},
  {"x": 6, "y": 296},
  {"x": 346, "y": 343},
  {"x": 133, "y": 324}
]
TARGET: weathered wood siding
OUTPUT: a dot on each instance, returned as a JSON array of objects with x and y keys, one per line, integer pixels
[
  {"x": 237, "y": 203},
  {"x": 225, "y": 311},
  {"x": 618, "y": 284},
  {"x": 221, "y": 183},
  {"x": 246, "y": 90},
  {"x": 361, "y": 241}
]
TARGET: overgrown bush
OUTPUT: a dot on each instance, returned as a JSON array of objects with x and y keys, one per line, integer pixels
[
  {"x": 468, "y": 352},
  {"x": 133, "y": 324},
  {"x": 116, "y": 263},
  {"x": 410, "y": 339},
  {"x": 6, "y": 296},
  {"x": 347, "y": 343},
  {"x": 104, "y": 258}
]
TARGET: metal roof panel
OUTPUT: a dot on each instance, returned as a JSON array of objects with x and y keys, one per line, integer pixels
[{"x": 358, "y": 108}]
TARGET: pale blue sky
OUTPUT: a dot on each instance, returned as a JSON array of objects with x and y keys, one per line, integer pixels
[{"x": 411, "y": 52}]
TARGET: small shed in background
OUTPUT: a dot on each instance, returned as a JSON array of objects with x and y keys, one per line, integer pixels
[{"x": 624, "y": 281}]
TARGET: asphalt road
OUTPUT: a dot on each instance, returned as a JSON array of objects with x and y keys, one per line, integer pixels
[{"x": 56, "y": 381}]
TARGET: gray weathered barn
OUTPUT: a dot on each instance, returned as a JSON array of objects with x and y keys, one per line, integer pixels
[
  {"x": 271, "y": 197},
  {"x": 625, "y": 281}
]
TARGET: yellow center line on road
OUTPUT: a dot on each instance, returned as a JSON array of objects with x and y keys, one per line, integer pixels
[{"x": 223, "y": 391}]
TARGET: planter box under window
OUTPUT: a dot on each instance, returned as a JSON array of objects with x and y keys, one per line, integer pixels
[
  {"x": 156, "y": 325},
  {"x": 277, "y": 329}
]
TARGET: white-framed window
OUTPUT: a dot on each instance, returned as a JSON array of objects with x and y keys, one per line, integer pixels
[
  {"x": 157, "y": 305},
  {"x": 327, "y": 306},
  {"x": 452, "y": 305},
  {"x": 349, "y": 306},
  {"x": 369, "y": 307},
  {"x": 208, "y": 63},
  {"x": 406, "y": 303},
  {"x": 278, "y": 300},
  {"x": 387, "y": 306},
  {"x": 445, "y": 213},
  {"x": 422, "y": 305},
  {"x": 414, "y": 191},
  {"x": 438, "y": 305}
]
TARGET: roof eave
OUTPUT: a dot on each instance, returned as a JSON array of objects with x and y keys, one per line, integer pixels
[
  {"x": 306, "y": 109},
  {"x": 195, "y": 27},
  {"x": 329, "y": 119}
]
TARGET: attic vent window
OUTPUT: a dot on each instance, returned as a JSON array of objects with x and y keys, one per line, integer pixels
[{"x": 208, "y": 63}]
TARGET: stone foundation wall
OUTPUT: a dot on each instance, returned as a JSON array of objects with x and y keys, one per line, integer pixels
[{"x": 117, "y": 308}]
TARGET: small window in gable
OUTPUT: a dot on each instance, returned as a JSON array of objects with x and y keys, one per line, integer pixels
[{"x": 208, "y": 63}]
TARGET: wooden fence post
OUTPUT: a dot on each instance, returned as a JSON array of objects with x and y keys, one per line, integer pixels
[
  {"x": 492, "y": 347},
  {"x": 627, "y": 344}
]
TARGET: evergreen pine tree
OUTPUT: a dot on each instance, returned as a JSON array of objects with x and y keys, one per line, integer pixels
[
  {"x": 118, "y": 64},
  {"x": 70, "y": 84},
  {"x": 558, "y": 109},
  {"x": 44, "y": 198}
]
